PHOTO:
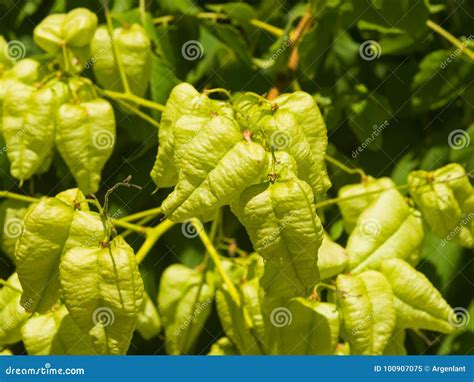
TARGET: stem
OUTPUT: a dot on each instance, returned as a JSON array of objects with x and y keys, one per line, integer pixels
[
  {"x": 6, "y": 284},
  {"x": 216, "y": 259},
  {"x": 343, "y": 167},
  {"x": 140, "y": 223},
  {"x": 134, "y": 99},
  {"x": 139, "y": 113},
  {"x": 278, "y": 32},
  {"x": 142, "y": 214},
  {"x": 117, "y": 57},
  {"x": 129, "y": 226},
  {"x": 153, "y": 235},
  {"x": 142, "y": 7},
  {"x": 65, "y": 57},
  {"x": 452, "y": 39},
  {"x": 23, "y": 198}
]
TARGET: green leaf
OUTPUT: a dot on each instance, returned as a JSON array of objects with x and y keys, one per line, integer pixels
[
  {"x": 52, "y": 227},
  {"x": 12, "y": 313},
  {"x": 418, "y": 304},
  {"x": 446, "y": 198},
  {"x": 85, "y": 137},
  {"x": 285, "y": 231},
  {"x": 378, "y": 236},
  {"x": 149, "y": 321},
  {"x": 313, "y": 328},
  {"x": 184, "y": 300},
  {"x": 55, "y": 333},
  {"x": 103, "y": 291},
  {"x": 442, "y": 76}
]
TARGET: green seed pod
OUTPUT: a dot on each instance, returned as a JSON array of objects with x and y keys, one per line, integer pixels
[
  {"x": 184, "y": 300},
  {"x": 223, "y": 346},
  {"x": 310, "y": 328},
  {"x": 352, "y": 205},
  {"x": 149, "y": 321},
  {"x": 193, "y": 111},
  {"x": 396, "y": 344},
  {"x": 85, "y": 137},
  {"x": 134, "y": 50},
  {"x": 379, "y": 235},
  {"x": 215, "y": 168},
  {"x": 446, "y": 198},
  {"x": 55, "y": 333},
  {"x": 418, "y": 304},
  {"x": 103, "y": 290},
  {"x": 284, "y": 229},
  {"x": 356, "y": 311},
  {"x": 12, "y": 313},
  {"x": 48, "y": 34},
  {"x": 243, "y": 324},
  {"x": 28, "y": 127},
  {"x": 332, "y": 258},
  {"x": 12, "y": 213},
  {"x": 79, "y": 27},
  {"x": 51, "y": 227}
]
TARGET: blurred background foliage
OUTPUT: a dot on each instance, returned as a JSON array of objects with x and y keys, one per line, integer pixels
[{"x": 415, "y": 80}]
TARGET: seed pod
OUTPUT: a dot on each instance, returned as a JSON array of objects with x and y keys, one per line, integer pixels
[
  {"x": 332, "y": 258},
  {"x": 358, "y": 197},
  {"x": 184, "y": 300},
  {"x": 28, "y": 127},
  {"x": 51, "y": 227},
  {"x": 379, "y": 235},
  {"x": 310, "y": 328},
  {"x": 12, "y": 313},
  {"x": 79, "y": 27},
  {"x": 446, "y": 198},
  {"x": 285, "y": 231},
  {"x": 383, "y": 316},
  {"x": 418, "y": 304},
  {"x": 48, "y": 34},
  {"x": 85, "y": 137},
  {"x": 396, "y": 344},
  {"x": 223, "y": 346},
  {"x": 215, "y": 168},
  {"x": 133, "y": 47},
  {"x": 149, "y": 321},
  {"x": 103, "y": 290},
  {"x": 243, "y": 324},
  {"x": 193, "y": 110},
  {"x": 12, "y": 213},
  {"x": 55, "y": 333}
]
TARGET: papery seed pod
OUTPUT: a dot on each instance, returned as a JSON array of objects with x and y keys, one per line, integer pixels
[
  {"x": 103, "y": 291},
  {"x": 79, "y": 27}
]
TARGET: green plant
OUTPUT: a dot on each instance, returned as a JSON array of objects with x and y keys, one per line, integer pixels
[{"x": 257, "y": 161}]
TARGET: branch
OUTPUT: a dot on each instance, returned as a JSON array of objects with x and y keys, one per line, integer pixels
[
  {"x": 23, "y": 198},
  {"x": 462, "y": 46},
  {"x": 153, "y": 235},
  {"x": 133, "y": 99}
]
